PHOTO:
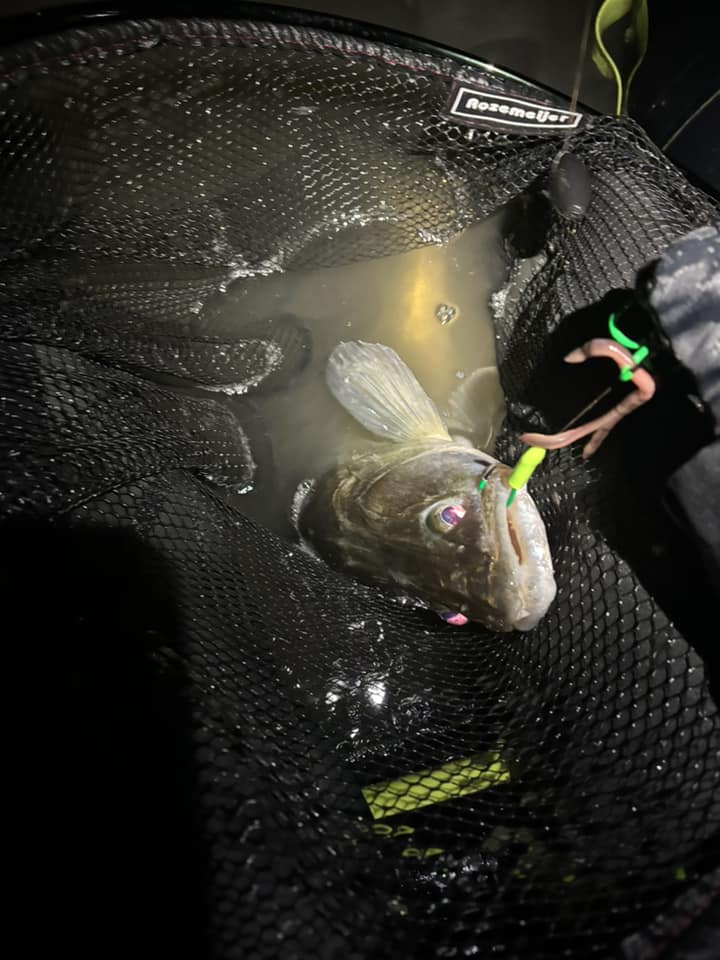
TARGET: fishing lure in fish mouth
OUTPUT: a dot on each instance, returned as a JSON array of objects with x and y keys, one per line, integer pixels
[{"x": 617, "y": 348}]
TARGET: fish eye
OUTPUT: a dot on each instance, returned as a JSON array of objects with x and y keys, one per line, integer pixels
[{"x": 444, "y": 518}]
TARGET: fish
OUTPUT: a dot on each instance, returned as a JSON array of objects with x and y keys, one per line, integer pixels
[{"x": 421, "y": 510}]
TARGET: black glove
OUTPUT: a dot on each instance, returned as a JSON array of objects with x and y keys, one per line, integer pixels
[{"x": 682, "y": 291}]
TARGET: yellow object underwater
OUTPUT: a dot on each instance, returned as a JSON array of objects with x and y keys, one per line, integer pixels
[{"x": 458, "y": 778}]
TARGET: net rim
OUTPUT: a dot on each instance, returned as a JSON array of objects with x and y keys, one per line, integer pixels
[{"x": 81, "y": 32}]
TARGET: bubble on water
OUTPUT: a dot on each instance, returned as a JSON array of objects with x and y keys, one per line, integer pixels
[
  {"x": 231, "y": 389},
  {"x": 249, "y": 461},
  {"x": 446, "y": 313},
  {"x": 240, "y": 269},
  {"x": 427, "y": 236},
  {"x": 302, "y": 492},
  {"x": 498, "y": 301},
  {"x": 402, "y": 600},
  {"x": 309, "y": 551},
  {"x": 376, "y": 692},
  {"x": 268, "y": 364}
]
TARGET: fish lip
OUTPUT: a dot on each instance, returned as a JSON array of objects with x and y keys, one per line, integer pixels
[
  {"x": 526, "y": 622},
  {"x": 530, "y": 573}
]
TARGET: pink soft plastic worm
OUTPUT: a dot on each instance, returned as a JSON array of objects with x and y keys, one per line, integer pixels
[{"x": 601, "y": 426}]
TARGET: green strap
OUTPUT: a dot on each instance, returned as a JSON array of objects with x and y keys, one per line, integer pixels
[
  {"x": 617, "y": 334},
  {"x": 640, "y": 352},
  {"x": 636, "y": 36}
]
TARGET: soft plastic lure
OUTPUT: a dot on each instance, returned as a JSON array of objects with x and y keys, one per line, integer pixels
[
  {"x": 617, "y": 349},
  {"x": 600, "y": 427}
]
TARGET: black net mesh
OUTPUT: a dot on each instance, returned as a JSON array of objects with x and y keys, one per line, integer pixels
[{"x": 199, "y": 703}]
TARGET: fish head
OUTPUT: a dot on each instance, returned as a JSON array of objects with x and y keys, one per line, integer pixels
[{"x": 427, "y": 523}]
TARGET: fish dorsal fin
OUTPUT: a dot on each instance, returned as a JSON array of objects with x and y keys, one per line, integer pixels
[
  {"x": 381, "y": 392},
  {"x": 477, "y": 407}
]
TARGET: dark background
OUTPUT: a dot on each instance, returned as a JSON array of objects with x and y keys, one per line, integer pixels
[
  {"x": 539, "y": 38},
  {"x": 675, "y": 95}
]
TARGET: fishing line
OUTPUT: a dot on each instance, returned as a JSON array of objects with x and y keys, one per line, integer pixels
[{"x": 531, "y": 459}]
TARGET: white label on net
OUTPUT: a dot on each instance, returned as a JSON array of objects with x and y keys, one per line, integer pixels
[{"x": 481, "y": 108}]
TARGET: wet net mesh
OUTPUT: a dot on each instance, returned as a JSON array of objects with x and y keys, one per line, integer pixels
[{"x": 202, "y": 707}]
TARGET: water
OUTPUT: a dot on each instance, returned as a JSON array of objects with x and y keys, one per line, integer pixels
[{"x": 430, "y": 305}]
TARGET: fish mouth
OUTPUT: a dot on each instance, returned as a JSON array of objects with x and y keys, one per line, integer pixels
[
  {"x": 523, "y": 582},
  {"x": 514, "y": 537}
]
